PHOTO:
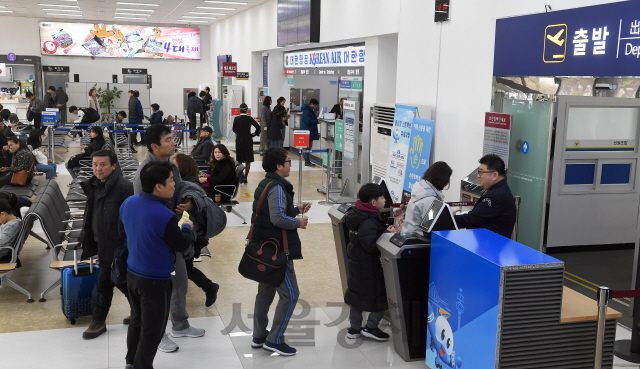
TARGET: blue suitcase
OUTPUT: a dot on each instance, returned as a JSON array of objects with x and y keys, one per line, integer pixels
[{"x": 78, "y": 290}]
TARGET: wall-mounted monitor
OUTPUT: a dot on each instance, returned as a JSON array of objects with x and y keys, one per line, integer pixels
[
  {"x": 223, "y": 59},
  {"x": 118, "y": 41},
  {"x": 298, "y": 22}
]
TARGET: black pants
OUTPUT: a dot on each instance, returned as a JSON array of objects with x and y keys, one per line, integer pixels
[
  {"x": 105, "y": 292},
  {"x": 197, "y": 277},
  {"x": 149, "y": 300},
  {"x": 37, "y": 122}
]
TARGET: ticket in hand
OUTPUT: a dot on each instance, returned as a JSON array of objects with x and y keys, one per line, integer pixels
[{"x": 185, "y": 217}]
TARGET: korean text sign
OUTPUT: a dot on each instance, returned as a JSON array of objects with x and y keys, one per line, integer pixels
[
  {"x": 497, "y": 134},
  {"x": 399, "y": 150},
  {"x": 118, "y": 41},
  {"x": 419, "y": 151},
  {"x": 229, "y": 69},
  {"x": 601, "y": 40},
  {"x": 350, "y": 56}
]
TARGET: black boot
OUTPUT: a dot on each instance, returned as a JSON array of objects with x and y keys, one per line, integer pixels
[{"x": 212, "y": 294}]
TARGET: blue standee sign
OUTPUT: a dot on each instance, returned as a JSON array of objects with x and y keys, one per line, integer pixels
[
  {"x": 345, "y": 85},
  {"x": 601, "y": 40}
]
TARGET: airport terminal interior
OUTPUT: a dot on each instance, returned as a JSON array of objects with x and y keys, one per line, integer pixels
[{"x": 469, "y": 169}]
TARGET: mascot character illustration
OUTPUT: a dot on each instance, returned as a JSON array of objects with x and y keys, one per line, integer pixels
[{"x": 440, "y": 339}]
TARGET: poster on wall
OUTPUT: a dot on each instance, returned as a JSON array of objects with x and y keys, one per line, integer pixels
[
  {"x": 497, "y": 134},
  {"x": 419, "y": 153},
  {"x": 399, "y": 150},
  {"x": 119, "y": 41}
]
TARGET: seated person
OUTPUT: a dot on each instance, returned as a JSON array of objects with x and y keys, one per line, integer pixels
[
  {"x": 20, "y": 157},
  {"x": 96, "y": 143},
  {"x": 496, "y": 209},
  {"x": 222, "y": 171},
  {"x": 202, "y": 150},
  {"x": 8, "y": 231},
  {"x": 5, "y": 129},
  {"x": 435, "y": 178},
  {"x": 43, "y": 164},
  {"x": 188, "y": 168},
  {"x": 156, "y": 116}
]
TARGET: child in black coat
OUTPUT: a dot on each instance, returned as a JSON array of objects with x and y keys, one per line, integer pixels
[{"x": 366, "y": 290}]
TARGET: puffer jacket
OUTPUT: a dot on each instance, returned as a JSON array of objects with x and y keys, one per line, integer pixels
[
  {"x": 366, "y": 290},
  {"x": 195, "y": 107},
  {"x": 422, "y": 195},
  {"x": 309, "y": 122}
]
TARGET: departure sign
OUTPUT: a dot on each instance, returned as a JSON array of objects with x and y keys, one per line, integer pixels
[{"x": 442, "y": 10}]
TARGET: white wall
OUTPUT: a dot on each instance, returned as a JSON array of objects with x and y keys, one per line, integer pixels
[
  {"x": 169, "y": 76},
  {"x": 448, "y": 65}
]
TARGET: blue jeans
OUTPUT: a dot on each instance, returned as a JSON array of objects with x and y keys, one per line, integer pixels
[
  {"x": 306, "y": 154},
  {"x": 49, "y": 170},
  {"x": 276, "y": 143}
]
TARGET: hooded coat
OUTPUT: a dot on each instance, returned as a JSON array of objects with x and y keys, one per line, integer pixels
[
  {"x": 309, "y": 122},
  {"x": 366, "y": 290},
  {"x": 422, "y": 196}
]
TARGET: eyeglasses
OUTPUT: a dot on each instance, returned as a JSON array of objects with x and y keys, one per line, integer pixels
[
  {"x": 288, "y": 161},
  {"x": 481, "y": 172}
]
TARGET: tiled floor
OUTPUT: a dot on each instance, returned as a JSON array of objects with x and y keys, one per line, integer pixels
[{"x": 37, "y": 335}]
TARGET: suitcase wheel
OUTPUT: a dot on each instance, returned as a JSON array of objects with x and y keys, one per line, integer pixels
[{"x": 72, "y": 321}]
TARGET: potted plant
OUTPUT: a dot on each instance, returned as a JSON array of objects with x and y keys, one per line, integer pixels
[{"x": 106, "y": 96}]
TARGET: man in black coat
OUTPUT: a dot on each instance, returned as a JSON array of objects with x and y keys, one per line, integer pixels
[
  {"x": 202, "y": 150},
  {"x": 194, "y": 106},
  {"x": 60, "y": 98},
  {"x": 207, "y": 99},
  {"x": 105, "y": 191},
  {"x": 496, "y": 209},
  {"x": 365, "y": 282}
]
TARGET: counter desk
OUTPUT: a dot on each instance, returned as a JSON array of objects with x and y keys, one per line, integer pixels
[{"x": 16, "y": 106}]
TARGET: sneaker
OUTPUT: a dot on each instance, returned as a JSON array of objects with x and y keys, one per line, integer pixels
[
  {"x": 189, "y": 332},
  {"x": 197, "y": 260},
  {"x": 353, "y": 333},
  {"x": 126, "y": 320},
  {"x": 212, "y": 295},
  {"x": 258, "y": 342},
  {"x": 282, "y": 348},
  {"x": 166, "y": 345},
  {"x": 308, "y": 164},
  {"x": 375, "y": 333},
  {"x": 96, "y": 328}
]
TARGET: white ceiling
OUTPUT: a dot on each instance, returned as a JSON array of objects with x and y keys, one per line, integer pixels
[{"x": 166, "y": 11}]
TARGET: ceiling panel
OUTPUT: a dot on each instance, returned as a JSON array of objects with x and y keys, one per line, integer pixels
[{"x": 163, "y": 12}]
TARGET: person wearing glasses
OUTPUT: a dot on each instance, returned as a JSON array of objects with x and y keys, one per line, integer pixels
[
  {"x": 423, "y": 193},
  {"x": 496, "y": 209}
]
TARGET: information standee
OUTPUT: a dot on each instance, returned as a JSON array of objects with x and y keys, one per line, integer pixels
[{"x": 350, "y": 159}]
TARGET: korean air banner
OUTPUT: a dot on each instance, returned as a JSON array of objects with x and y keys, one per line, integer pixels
[
  {"x": 117, "y": 41},
  {"x": 419, "y": 152},
  {"x": 601, "y": 40},
  {"x": 350, "y": 56},
  {"x": 399, "y": 150}
]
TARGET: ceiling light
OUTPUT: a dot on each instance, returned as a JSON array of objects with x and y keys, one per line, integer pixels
[
  {"x": 63, "y": 10},
  {"x": 207, "y": 13},
  {"x": 135, "y": 10},
  {"x": 66, "y": 15},
  {"x": 139, "y": 4},
  {"x": 2, "y": 6},
  {"x": 75, "y": 1},
  {"x": 134, "y": 15},
  {"x": 190, "y": 21},
  {"x": 129, "y": 18},
  {"x": 188, "y": 16},
  {"x": 225, "y": 2},
  {"x": 205, "y": 7},
  {"x": 61, "y": 6},
  {"x": 6, "y": 11}
]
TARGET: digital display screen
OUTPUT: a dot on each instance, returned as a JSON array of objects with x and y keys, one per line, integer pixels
[
  {"x": 118, "y": 41},
  {"x": 431, "y": 215}
]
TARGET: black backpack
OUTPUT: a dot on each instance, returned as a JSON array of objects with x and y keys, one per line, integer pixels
[
  {"x": 119, "y": 265},
  {"x": 90, "y": 115}
]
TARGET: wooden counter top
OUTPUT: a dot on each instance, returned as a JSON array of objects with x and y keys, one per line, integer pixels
[{"x": 577, "y": 307}]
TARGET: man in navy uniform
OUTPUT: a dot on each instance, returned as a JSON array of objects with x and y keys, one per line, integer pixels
[{"x": 496, "y": 209}]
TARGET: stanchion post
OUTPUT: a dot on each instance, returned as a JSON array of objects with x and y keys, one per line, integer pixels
[
  {"x": 328, "y": 185},
  {"x": 129, "y": 138},
  {"x": 300, "y": 176},
  {"x": 50, "y": 134},
  {"x": 603, "y": 301},
  {"x": 185, "y": 136},
  {"x": 518, "y": 199}
]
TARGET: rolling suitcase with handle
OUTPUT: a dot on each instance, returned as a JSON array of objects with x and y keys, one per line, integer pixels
[{"x": 78, "y": 289}]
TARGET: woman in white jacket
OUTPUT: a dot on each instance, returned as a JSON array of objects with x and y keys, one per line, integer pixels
[
  {"x": 43, "y": 164},
  {"x": 423, "y": 193}
]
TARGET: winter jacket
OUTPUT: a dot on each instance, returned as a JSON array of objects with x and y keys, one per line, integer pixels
[
  {"x": 207, "y": 101},
  {"x": 156, "y": 117},
  {"x": 48, "y": 101},
  {"x": 202, "y": 150},
  {"x": 203, "y": 212},
  {"x": 422, "y": 195},
  {"x": 135, "y": 110},
  {"x": 276, "y": 123},
  {"x": 265, "y": 116},
  {"x": 137, "y": 183},
  {"x": 223, "y": 173},
  {"x": 36, "y": 104},
  {"x": 107, "y": 214},
  {"x": 61, "y": 98},
  {"x": 94, "y": 145},
  {"x": 93, "y": 103},
  {"x": 194, "y": 107},
  {"x": 309, "y": 122},
  {"x": 21, "y": 160},
  {"x": 365, "y": 282}
]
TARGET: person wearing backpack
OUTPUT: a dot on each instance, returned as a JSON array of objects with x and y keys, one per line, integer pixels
[{"x": 106, "y": 190}]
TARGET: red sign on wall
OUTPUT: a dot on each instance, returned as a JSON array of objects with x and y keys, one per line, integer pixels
[
  {"x": 301, "y": 138},
  {"x": 229, "y": 69},
  {"x": 236, "y": 112},
  {"x": 290, "y": 72}
]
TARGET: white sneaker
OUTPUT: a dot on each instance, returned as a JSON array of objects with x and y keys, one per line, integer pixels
[
  {"x": 166, "y": 345},
  {"x": 189, "y": 332}
]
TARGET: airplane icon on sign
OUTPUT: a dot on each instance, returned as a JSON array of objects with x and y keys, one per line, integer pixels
[
  {"x": 555, "y": 45},
  {"x": 556, "y": 39}
]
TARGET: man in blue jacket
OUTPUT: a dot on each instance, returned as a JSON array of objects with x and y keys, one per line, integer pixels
[
  {"x": 153, "y": 237},
  {"x": 496, "y": 209},
  {"x": 309, "y": 123},
  {"x": 135, "y": 116}
]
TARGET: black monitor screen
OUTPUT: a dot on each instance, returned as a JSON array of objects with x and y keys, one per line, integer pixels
[
  {"x": 438, "y": 218},
  {"x": 387, "y": 195}
]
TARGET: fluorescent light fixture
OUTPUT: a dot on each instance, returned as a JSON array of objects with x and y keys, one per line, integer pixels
[
  {"x": 139, "y": 4},
  {"x": 135, "y": 10},
  {"x": 66, "y": 15},
  {"x": 61, "y": 6},
  {"x": 6, "y": 11},
  {"x": 206, "y": 7},
  {"x": 190, "y": 21},
  {"x": 2, "y": 6},
  {"x": 225, "y": 2},
  {"x": 62, "y": 10},
  {"x": 129, "y": 18},
  {"x": 198, "y": 13},
  {"x": 134, "y": 15},
  {"x": 188, "y": 16}
]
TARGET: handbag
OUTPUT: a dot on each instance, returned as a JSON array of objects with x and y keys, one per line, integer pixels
[
  {"x": 119, "y": 265},
  {"x": 30, "y": 115},
  {"x": 264, "y": 262},
  {"x": 20, "y": 178}
]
